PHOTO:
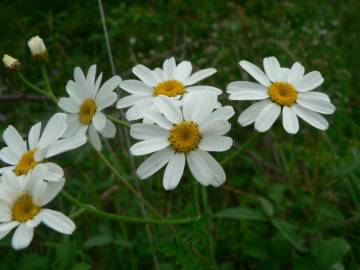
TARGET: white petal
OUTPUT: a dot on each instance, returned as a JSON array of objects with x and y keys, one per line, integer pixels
[
  {"x": 14, "y": 140},
  {"x": 309, "y": 81},
  {"x": 57, "y": 221},
  {"x": 183, "y": 70},
  {"x": 157, "y": 118},
  {"x": 107, "y": 88},
  {"x": 272, "y": 68},
  {"x": 22, "y": 237},
  {"x": 296, "y": 73},
  {"x": 159, "y": 75},
  {"x": 174, "y": 171},
  {"x": 203, "y": 104},
  {"x": 4, "y": 234},
  {"x": 166, "y": 106},
  {"x": 39, "y": 191},
  {"x": 54, "y": 172},
  {"x": 34, "y": 135},
  {"x": 154, "y": 163},
  {"x": 284, "y": 74},
  {"x": 65, "y": 145},
  {"x": 90, "y": 77},
  {"x": 223, "y": 113},
  {"x": 201, "y": 88},
  {"x": 129, "y": 101},
  {"x": 214, "y": 128},
  {"x": 135, "y": 112},
  {"x": 8, "y": 226},
  {"x": 145, "y": 74},
  {"x": 198, "y": 76},
  {"x": 241, "y": 90},
  {"x": 77, "y": 92},
  {"x": 36, "y": 175},
  {"x": 11, "y": 183},
  {"x": 69, "y": 105},
  {"x": 149, "y": 146},
  {"x": 52, "y": 190},
  {"x": 267, "y": 117},
  {"x": 136, "y": 87},
  {"x": 109, "y": 130},
  {"x": 249, "y": 116},
  {"x": 199, "y": 168},
  {"x": 5, "y": 212},
  {"x": 147, "y": 131},
  {"x": 94, "y": 138},
  {"x": 74, "y": 127},
  {"x": 255, "y": 72},
  {"x": 105, "y": 101},
  {"x": 218, "y": 173},
  {"x": 169, "y": 68},
  {"x": 216, "y": 143},
  {"x": 54, "y": 129},
  {"x": 99, "y": 121},
  {"x": 8, "y": 156},
  {"x": 313, "y": 118},
  {"x": 290, "y": 120},
  {"x": 317, "y": 103}
]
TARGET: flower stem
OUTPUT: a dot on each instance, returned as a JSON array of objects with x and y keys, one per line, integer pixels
[
  {"x": 47, "y": 84},
  {"x": 92, "y": 209},
  {"x": 240, "y": 149},
  {"x": 125, "y": 182},
  {"x": 32, "y": 86},
  {"x": 118, "y": 121}
]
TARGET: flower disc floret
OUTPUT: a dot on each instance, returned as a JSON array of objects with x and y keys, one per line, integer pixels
[
  {"x": 24, "y": 209},
  {"x": 26, "y": 163},
  {"x": 87, "y": 111},
  {"x": 185, "y": 137},
  {"x": 282, "y": 93},
  {"x": 170, "y": 88}
]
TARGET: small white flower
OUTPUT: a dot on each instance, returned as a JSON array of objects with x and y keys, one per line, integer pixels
[
  {"x": 183, "y": 133},
  {"x": 283, "y": 89},
  {"x": 11, "y": 62},
  {"x": 24, "y": 157},
  {"x": 172, "y": 80},
  {"x": 37, "y": 47},
  {"x": 86, "y": 102},
  {"x": 21, "y": 206}
]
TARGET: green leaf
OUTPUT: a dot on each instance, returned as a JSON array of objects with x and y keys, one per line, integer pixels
[
  {"x": 267, "y": 206},
  {"x": 81, "y": 266},
  {"x": 289, "y": 232},
  {"x": 241, "y": 213},
  {"x": 329, "y": 252}
]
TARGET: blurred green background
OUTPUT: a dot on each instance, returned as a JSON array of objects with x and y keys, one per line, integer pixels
[{"x": 290, "y": 202}]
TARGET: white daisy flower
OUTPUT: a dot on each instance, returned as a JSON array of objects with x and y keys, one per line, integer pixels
[
  {"x": 283, "y": 89},
  {"x": 183, "y": 133},
  {"x": 21, "y": 206},
  {"x": 86, "y": 102},
  {"x": 23, "y": 156},
  {"x": 172, "y": 80}
]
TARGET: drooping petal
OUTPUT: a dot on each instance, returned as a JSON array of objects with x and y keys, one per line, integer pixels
[
  {"x": 290, "y": 120},
  {"x": 312, "y": 118},
  {"x": 22, "y": 237},
  {"x": 109, "y": 130},
  {"x": 94, "y": 138},
  {"x": 199, "y": 168},
  {"x": 248, "y": 116},
  {"x": 99, "y": 121},
  {"x": 267, "y": 117},
  {"x": 218, "y": 173},
  {"x": 174, "y": 171},
  {"x": 57, "y": 221},
  {"x": 154, "y": 163}
]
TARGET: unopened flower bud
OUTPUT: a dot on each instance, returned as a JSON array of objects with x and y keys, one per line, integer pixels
[
  {"x": 37, "y": 48},
  {"x": 11, "y": 62}
]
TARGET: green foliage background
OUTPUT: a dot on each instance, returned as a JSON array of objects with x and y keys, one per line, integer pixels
[{"x": 290, "y": 202}]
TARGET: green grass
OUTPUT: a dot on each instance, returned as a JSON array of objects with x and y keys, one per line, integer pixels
[{"x": 290, "y": 202}]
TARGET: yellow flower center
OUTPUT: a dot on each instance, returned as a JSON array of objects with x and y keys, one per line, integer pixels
[
  {"x": 170, "y": 88},
  {"x": 26, "y": 163},
  {"x": 24, "y": 209},
  {"x": 282, "y": 93},
  {"x": 185, "y": 137},
  {"x": 87, "y": 111}
]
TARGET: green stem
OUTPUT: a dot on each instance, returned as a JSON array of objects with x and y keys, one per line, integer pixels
[
  {"x": 118, "y": 121},
  {"x": 126, "y": 183},
  {"x": 240, "y": 149},
  {"x": 92, "y": 209},
  {"x": 32, "y": 86},
  {"x": 47, "y": 84}
]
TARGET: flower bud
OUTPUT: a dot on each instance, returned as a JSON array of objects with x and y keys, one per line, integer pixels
[
  {"x": 37, "y": 48},
  {"x": 11, "y": 62}
]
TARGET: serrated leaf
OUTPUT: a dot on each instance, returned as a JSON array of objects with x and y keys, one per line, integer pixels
[
  {"x": 289, "y": 232},
  {"x": 241, "y": 213}
]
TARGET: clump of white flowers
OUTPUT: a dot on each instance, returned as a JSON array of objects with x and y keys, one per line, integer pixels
[{"x": 181, "y": 123}]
